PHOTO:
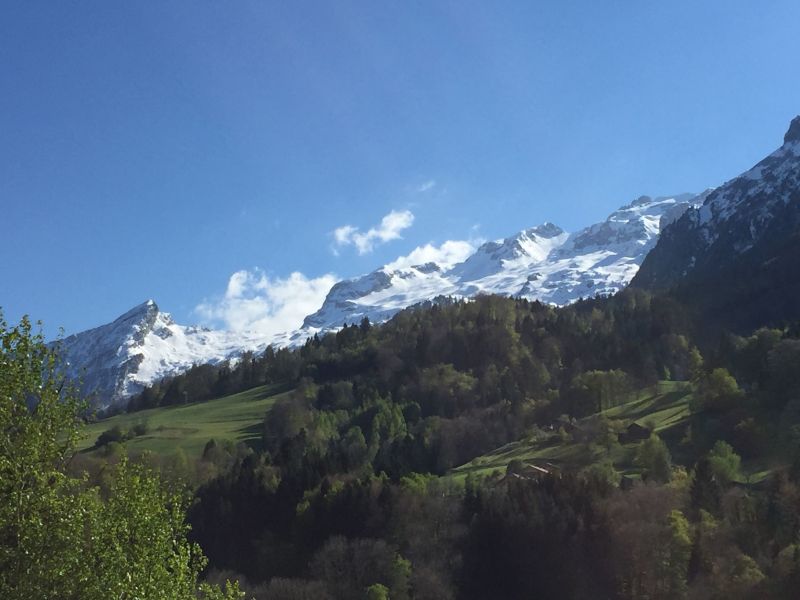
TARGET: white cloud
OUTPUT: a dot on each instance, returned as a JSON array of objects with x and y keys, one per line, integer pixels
[
  {"x": 343, "y": 234},
  {"x": 445, "y": 255},
  {"x": 255, "y": 302},
  {"x": 426, "y": 186},
  {"x": 389, "y": 229}
]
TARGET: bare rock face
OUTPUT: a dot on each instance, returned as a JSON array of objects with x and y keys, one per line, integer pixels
[{"x": 793, "y": 134}]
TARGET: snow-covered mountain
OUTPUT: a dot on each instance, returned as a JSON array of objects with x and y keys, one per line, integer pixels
[
  {"x": 117, "y": 360},
  {"x": 736, "y": 258},
  {"x": 543, "y": 263},
  {"x": 733, "y": 218}
]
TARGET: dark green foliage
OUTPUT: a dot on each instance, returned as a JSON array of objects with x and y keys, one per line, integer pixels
[
  {"x": 705, "y": 490},
  {"x": 118, "y": 435},
  {"x": 653, "y": 457},
  {"x": 724, "y": 463},
  {"x": 115, "y": 434},
  {"x": 527, "y": 539},
  {"x": 647, "y": 543},
  {"x": 717, "y": 392},
  {"x": 594, "y": 391},
  {"x": 361, "y": 568}
]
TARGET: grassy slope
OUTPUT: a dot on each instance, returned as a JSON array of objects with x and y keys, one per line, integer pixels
[
  {"x": 237, "y": 417},
  {"x": 665, "y": 408},
  {"x": 662, "y": 408}
]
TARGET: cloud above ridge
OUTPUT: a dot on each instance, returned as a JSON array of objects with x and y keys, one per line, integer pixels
[
  {"x": 253, "y": 301},
  {"x": 447, "y": 254},
  {"x": 390, "y": 228}
]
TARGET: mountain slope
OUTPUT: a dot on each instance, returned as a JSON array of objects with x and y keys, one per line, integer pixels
[
  {"x": 543, "y": 263},
  {"x": 736, "y": 258}
]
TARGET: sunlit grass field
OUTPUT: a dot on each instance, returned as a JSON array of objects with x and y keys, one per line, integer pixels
[{"x": 238, "y": 418}]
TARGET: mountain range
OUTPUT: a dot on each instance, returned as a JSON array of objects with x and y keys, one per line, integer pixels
[
  {"x": 543, "y": 263},
  {"x": 663, "y": 243}
]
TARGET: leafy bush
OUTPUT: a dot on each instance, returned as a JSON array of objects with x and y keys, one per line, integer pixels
[{"x": 60, "y": 538}]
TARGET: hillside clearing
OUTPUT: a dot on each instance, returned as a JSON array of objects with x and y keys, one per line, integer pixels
[{"x": 237, "y": 417}]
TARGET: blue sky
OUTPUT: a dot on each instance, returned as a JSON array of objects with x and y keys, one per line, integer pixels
[{"x": 154, "y": 150}]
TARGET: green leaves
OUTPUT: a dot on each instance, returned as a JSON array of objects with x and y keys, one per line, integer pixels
[
  {"x": 58, "y": 537},
  {"x": 724, "y": 463},
  {"x": 653, "y": 457}
]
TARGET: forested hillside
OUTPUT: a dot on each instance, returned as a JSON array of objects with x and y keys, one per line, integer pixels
[{"x": 349, "y": 488}]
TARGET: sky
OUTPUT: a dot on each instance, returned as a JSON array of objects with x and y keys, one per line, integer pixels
[{"x": 232, "y": 160}]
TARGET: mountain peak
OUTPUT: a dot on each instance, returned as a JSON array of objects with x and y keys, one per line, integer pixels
[
  {"x": 139, "y": 311},
  {"x": 142, "y": 346},
  {"x": 546, "y": 230},
  {"x": 741, "y": 218},
  {"x": 793, "y": 134}
]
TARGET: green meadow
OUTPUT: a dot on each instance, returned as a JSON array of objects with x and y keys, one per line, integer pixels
[{"x": 238, "y": 418}]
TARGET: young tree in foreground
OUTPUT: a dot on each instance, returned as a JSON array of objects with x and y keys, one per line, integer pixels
[{"x": 58, "y": 537}]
